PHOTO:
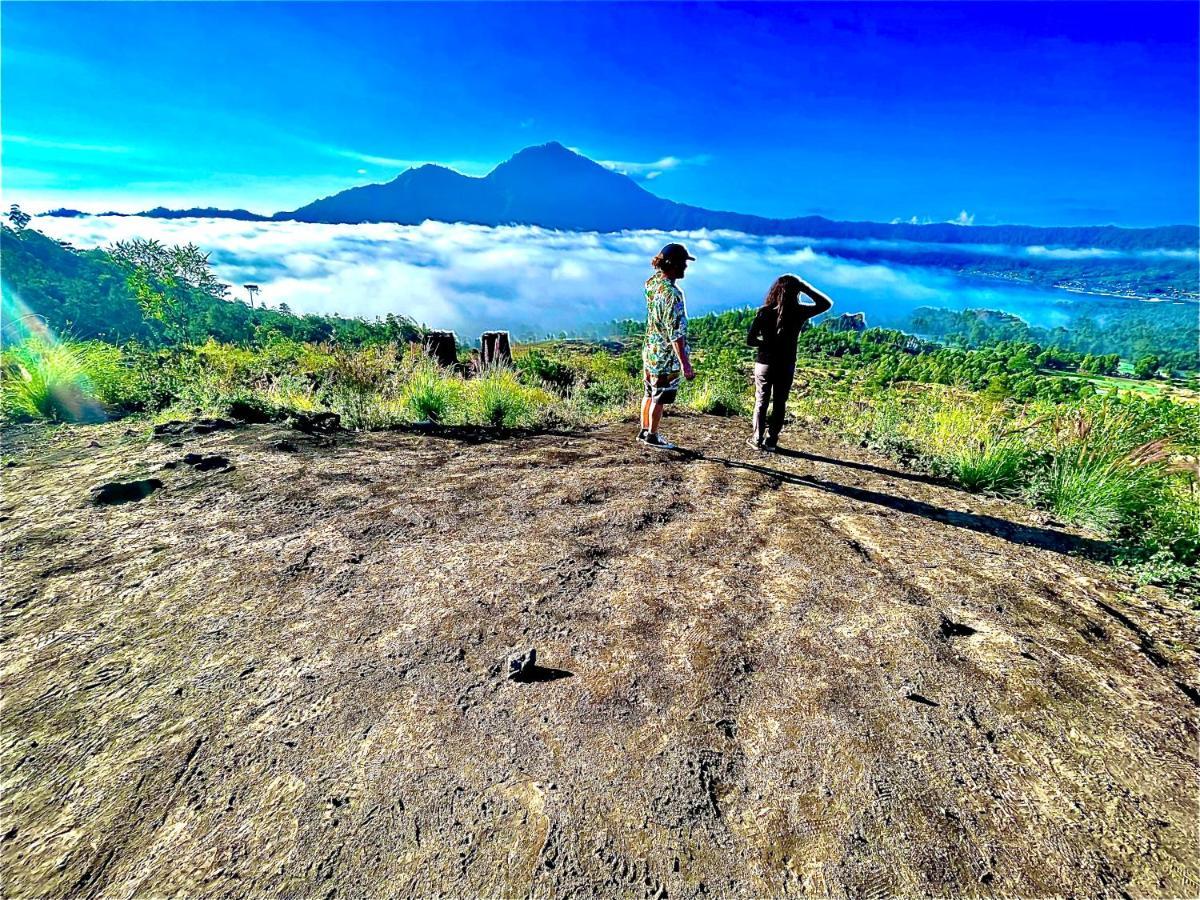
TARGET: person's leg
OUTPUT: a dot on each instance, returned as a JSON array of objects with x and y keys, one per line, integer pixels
[
  {"x": 762, "y": 396},
  {"x": 781, "y": 387},
  {"x": 646, "y": 404},
  {"x": 656, "y": 412}
]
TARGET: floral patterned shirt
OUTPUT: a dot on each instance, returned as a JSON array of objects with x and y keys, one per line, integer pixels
[{"x": 666, "y": 322}]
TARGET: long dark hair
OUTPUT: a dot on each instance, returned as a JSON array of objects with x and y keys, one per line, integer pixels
[{"x": 784, "y": 298}]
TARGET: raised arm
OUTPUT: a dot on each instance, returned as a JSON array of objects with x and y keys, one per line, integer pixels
[{"x": 820, "y": 302}]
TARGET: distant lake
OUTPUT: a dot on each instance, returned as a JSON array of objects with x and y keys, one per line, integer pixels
[{"x": 531, "y": 280}]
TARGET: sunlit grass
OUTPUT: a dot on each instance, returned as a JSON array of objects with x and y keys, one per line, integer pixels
[{"x": 48, "y": 380}]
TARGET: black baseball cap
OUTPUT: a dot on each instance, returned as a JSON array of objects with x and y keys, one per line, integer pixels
[{"x": 675, "y": 253}]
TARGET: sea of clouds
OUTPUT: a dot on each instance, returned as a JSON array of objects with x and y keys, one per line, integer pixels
[{"x": 529, "y": 280}]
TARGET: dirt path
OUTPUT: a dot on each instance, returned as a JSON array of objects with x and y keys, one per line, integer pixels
[{"x": 766, "y": 676}]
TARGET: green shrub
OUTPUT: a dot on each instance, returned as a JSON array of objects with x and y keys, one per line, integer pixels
[
  {"x": 608, "y": 392},
  {"x": 537, "y": 367},
  {"x": 1097, "y": 489}
]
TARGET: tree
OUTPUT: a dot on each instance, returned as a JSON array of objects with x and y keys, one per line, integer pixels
[
  {"x": 164, "y": 279},
  {"x": 1146, "y": 366},
  {"x": 18, "y": 217}
]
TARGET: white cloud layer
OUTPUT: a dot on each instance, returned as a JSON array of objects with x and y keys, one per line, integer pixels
[{"x": 527, "y": 279}]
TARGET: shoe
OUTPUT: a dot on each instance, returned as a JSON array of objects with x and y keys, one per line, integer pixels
[
  {"x": 642, "y": 432},
  {"x": 753, "y": 444},
  {"x": 770, "y": 446},
  {"x": 653, "y": 440}
]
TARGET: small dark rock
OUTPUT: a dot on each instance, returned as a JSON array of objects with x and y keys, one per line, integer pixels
[
  {"x": 248, "y": 412},
  {"x": 949, "y": 629},
  {"x": 94, "y": 444},
  {"x": 114, "y": 492},
  {"x": 11, "y": 464},
  {"x": 284, "y": 446},
  {"x": 207, "y": 426},
  {"x": 170, "y": 465},
  {"x": 211, "y": 463},
  {"x": 522, "y": 664},
  {"x": 317, "y": 423},
  {"x": 178, "y": 427}
]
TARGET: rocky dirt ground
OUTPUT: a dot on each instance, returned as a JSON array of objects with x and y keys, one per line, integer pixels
[{"x": 281, "y": 672}]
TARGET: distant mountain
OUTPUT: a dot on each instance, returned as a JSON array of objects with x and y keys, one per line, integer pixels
[
  {"x": 554, "y": 187},
  {"x": 161, "y": 212}
]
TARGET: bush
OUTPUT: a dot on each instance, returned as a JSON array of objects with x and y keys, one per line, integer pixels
[
  {"x": 1095, "y": 487},
  {"x": 997, "y": 468},
  {"x": 537, "y": 367}
]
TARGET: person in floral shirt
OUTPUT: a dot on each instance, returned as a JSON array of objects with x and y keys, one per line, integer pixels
[{"x": 665, "y": 353}]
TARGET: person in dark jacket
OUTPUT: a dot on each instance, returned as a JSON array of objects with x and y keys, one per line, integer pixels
[{"x": 773, "y": 333}]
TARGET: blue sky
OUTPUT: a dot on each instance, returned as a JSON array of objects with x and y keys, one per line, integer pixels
[{"x": 1046, "y": 113}]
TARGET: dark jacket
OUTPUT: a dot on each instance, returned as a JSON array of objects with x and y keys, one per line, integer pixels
[{"x": 776, "y": 344}]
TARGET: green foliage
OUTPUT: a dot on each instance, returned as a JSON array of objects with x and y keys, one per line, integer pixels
[
  {"x": 1114, "y": 465},
  {"x": 1105, "y": 329},
  {"x": 721, "y": 387},
  {"x": 1147, "y": 366},
  {"x": 498, "y": 399},
  {"x": 431, "y": 394},
  {"x": 157, "y": 296},
  {"x": 993, "y": 468},
  {"x": 43, "y": 379},
  {"x": 537, "y": 367}
]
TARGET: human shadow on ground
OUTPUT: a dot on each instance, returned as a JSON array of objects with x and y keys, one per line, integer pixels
[
  {"x": 1028, "y": 535},
  {"x": 480, "y": 434},
  {"x": 867, "y": 467}
]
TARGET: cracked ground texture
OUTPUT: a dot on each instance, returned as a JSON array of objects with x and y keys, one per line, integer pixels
[{"x": 805, "y": 673}]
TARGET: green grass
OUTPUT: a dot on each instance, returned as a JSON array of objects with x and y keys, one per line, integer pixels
[
  {"x": 497, "y": 399},
  {"x": 49, "y": 380},
  {"x": 719, "y": 395},
  {"x": 431, "y": 394},
  {"x": 994, "y": 468},
  {"x": 1114, "y": 464}
]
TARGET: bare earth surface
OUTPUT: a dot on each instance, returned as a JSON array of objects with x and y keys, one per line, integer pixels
[{"x": 765, "y": 676}]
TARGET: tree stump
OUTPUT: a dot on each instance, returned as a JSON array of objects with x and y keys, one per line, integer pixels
[
  {"x": 494, "y": 349},
  {"x": 441, "y": 347}
]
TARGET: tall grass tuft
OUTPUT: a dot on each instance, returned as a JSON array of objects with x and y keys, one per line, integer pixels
[
  {"x": 498, "y": 399},
  {"x": 1100, "y": 471},
  {"x": 47, "y": 380},
  {"x": 997, "y": 468},
  {"x": 431, "y": 394}
]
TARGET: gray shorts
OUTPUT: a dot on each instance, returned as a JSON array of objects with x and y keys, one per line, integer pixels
[{"x": 661, "y": 388}]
